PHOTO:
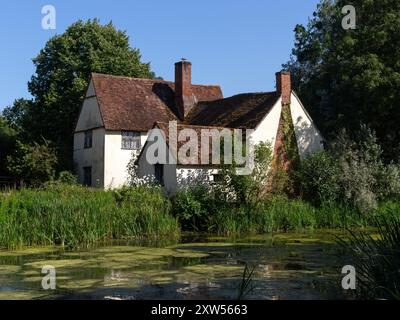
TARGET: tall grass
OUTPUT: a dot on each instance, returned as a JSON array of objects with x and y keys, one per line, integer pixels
[
  {"x": 282, "y": 214},
  {"x": 76, "y": 216},
  {"x": 377, "y": 260},
  {"x": 202, "y": 212}
]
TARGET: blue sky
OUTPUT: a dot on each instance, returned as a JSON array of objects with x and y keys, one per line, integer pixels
[{"x": 237, "y": 44}]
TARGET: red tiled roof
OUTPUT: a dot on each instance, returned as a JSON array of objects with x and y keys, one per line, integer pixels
[
  {"x": 135, "y": 104},
  {"x": 240, "y": 111}
]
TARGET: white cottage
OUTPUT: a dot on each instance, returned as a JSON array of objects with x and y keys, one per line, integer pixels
[{"x": 118, "y": 113}]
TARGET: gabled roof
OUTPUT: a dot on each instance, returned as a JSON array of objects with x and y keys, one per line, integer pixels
[
  {"x": 135, "y": 104},
  {"x": 240, "y": 111}
]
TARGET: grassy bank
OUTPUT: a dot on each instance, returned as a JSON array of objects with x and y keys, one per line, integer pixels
[
  {"x": 200, "y": 212},
  {"x": 75, "y": 216}
]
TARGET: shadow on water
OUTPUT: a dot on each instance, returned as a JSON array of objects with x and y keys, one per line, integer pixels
[{"x": 286, "y": 266}]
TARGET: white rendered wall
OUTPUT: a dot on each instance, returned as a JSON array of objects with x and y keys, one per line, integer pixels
[
  {"x": 92, "y": 157},
  {"x": 89, "y": 116},
  {"x": 267, "y": 130},
  {"x": 309, "y": 139},
  {"x": 117, "y": 159},
  {"x": 90, "y": 119}
]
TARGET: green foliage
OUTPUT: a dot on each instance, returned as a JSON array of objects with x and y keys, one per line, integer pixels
[
  {"x": 282, "y": 182},
  {"x": 389, "y": 182},
  {"x": 352, "y": 173},
  {"x": 63, "y": 69},
  {"x": 78, "y": 217},
  {"x": 351, "y": 76},
  {"x": 253, "y": 187},
  {"x": 318, "y": 177},
  {"x": 364, "y": 178},
  {"x": 290, "y": 141},
  {"x": 36, "y": 163},
  {"x": 7, "y": 144},
  {"x": 377, "y": 259},
  {"x": 246, "y": 285},
  {"x": 189, "y": 206},
  {"x": 201, "y": 210},
  {"x": 17, "y": 116},
  {"x": 67, "y": 177}
]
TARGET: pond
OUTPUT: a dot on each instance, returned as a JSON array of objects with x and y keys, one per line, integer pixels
[{"x": 286, "y": 266}]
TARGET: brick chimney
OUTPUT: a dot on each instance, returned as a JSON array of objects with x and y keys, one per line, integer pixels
[
  {"x": 283, "y": 86},
  {"x": 184, "y": 98}
]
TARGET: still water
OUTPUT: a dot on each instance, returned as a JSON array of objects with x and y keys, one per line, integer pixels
[{"x": 286, "y": 266}]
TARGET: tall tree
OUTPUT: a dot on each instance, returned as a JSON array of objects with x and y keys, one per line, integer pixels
[
  {"x": 63, "y": 69},
  {"x": 17, "y": 117},
  {"x": 7, "y": 143},
  {"x": 352, "y": 76}
]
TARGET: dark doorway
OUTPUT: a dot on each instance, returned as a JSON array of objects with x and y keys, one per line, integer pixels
[
  {"x": 87, "y": 176},
  {"x": 159, "y": 173}
]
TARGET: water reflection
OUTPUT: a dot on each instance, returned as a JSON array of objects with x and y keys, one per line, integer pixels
[{"x": 287, "y": 266}]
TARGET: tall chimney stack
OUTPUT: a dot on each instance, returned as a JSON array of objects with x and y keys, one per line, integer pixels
[
  {"x": 184, "y": 98},
  {"x": 283, "y": 86}
]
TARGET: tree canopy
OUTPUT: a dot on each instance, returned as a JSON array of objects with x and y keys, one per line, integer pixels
[
  {"x": 349, "y": 77},
  {"x": 7, "y": 143},
  {"x": 63, "y": 69}
]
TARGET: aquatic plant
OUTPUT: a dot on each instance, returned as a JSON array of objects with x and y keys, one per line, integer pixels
[
  {"x": 246, "y": 284},
  {"x": 200, "y": 210},
  {"x": 376, "y": 259},
  {"x": 76, "y": 216}
]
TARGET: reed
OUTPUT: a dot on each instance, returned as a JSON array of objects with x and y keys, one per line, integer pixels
[
  {"x": 79, "y": 217},
  {"x": 376, "y": 258},
  {"x": 274, "y": 214}
]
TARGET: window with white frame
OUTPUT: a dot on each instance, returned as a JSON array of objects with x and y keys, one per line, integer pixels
[{"x": 130, "y": 140}]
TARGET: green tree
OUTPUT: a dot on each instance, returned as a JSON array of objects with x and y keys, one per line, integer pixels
[
  {"x": 351, "y": 76},
  {"x": 7, "y": 142},
  {"x": 17, "y": 115},
  {"x": 63, "y": 69},
  {"x": 35, "y": 162}
]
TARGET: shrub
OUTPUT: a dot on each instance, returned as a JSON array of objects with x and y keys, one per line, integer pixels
[
  {"x": 66, "y": 177},
  {"x": 196, "y": 207},
  {"x": 318, "y": 178},
  {"x": 389, "y": 182},
  {"x": 360, "y": 164},
  {"x": 252, "y": 187},
  {"x": 188, "y": 209},
  {"x": 364, "y": 178}
]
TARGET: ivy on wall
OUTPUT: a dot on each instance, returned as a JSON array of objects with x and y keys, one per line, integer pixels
[
  {"x": 289, "y": 137},
  {"x": 286, "y": 155}
]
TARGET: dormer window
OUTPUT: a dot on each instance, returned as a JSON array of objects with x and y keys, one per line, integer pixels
[
  {"x": 88, "y": 139},
  {"x": 130, "y": 140}
]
